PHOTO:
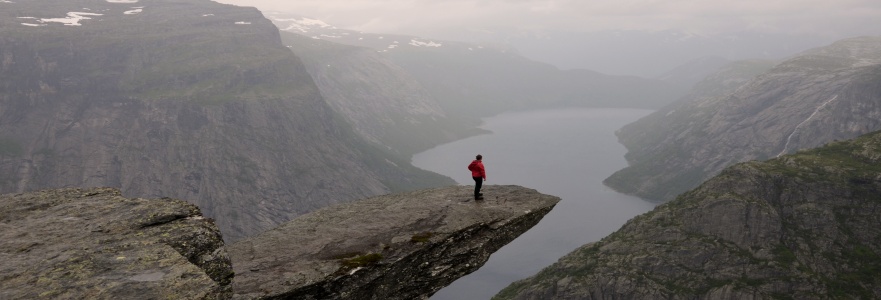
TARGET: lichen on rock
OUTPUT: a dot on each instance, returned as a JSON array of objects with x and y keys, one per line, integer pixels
[
  {"x": 94, "y": 243},
  {"x": 400, "y": 246}
]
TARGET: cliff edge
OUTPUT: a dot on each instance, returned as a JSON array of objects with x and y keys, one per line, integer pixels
[
  {"x": 96, "y": 244},
  {"x": 401, "y": 246}
]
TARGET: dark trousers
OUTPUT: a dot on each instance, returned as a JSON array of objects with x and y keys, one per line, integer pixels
[{"x": 478, "y": 182}]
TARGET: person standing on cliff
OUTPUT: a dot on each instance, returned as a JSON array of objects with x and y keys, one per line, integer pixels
[{"x": 478, "y": 173}]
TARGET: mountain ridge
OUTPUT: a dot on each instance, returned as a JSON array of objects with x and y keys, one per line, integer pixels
[
  {"x": 829, "y": 93},
  {"x": 475, "y": 80}
]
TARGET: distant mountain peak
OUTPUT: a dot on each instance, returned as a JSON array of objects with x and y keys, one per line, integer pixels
[{"x": 320, "y": 30}]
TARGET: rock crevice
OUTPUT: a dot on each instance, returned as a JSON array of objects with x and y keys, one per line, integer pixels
[{"x": 92, "y": 244}]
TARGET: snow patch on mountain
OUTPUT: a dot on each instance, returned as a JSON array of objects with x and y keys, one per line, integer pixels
[
  {"x": 134, "y": 11},
  {"x": 418, "y": 43},
  {"x": 73, "y": 19},
  {"x": 302, "y": 24}
]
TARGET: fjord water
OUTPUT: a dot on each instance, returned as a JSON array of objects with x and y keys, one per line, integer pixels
[{"x": 565, "y": 153}]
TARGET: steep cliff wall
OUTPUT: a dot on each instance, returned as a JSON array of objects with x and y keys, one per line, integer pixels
[
  {"x": 190, "y": 99},
  {"x": 802, "y": 226},
  {"x": 826, "y": 94}
]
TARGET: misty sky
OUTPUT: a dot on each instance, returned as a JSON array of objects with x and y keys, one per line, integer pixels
[{"x": 424, "y": 17}]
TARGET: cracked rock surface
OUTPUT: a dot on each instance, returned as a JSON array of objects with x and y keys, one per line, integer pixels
[
  {"x": 96, "y": 244},
  {"x": 401, "y": 246}
]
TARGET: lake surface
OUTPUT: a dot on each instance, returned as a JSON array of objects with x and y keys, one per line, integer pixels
[{"x": 565, "y": 153}]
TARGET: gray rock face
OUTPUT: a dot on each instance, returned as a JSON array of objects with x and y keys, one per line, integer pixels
[
  {"x": 402, "y": 246},
  {"x": 802, "y": 226},
  {"x": 96, "y": 244},
  {"x": 188, "y": 99},
  {"x": 826, "y": 94}
]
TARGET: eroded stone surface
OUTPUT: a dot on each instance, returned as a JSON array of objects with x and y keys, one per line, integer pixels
[
  {"x": 96, "y": 244},
  {"x": 401, "y": 246}
]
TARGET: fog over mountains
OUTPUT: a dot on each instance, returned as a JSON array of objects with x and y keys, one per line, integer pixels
[
  {"x": 644, "y": 38},
  {"x": 646, "y": 53},
  {"x": 476, "y": 80},
  {"x": 821, "y": 95},
  {"x": 257, "y": 118}
]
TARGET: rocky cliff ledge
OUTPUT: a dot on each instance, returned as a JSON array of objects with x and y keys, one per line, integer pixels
[
  {"x": 96, "y": 244},
  {"x": 402, "y": 246}
]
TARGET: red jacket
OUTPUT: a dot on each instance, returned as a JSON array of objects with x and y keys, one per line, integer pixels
[{"x": 476, "y": 168}]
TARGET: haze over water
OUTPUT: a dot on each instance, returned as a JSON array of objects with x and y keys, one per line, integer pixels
[{"x": 566, "y": 153}]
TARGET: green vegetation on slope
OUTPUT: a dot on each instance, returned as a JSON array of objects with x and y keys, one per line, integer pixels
[{"x": 800, "y": 226}]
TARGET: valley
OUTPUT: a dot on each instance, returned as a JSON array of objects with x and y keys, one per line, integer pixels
[
  {"x": 193, "y": 128},
  {"x": 819, "y": 96}
]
